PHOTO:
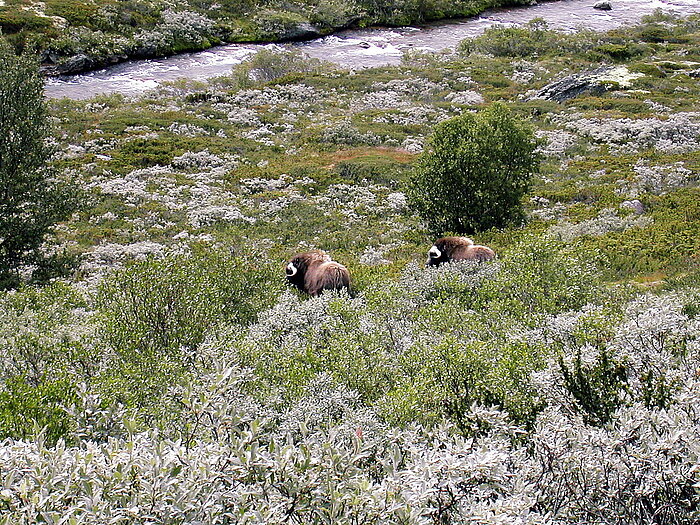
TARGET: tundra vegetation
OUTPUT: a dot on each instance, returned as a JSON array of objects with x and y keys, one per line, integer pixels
[{"x": 175, "y": 379}]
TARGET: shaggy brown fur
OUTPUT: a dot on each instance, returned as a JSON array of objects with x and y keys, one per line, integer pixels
[
  {"x": 455, "y": 249},
  {"x": 313, "y": 272}
]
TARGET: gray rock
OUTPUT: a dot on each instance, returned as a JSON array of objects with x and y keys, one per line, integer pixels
[
  {"x": 634, "y": 205},
  {"x": 303, "y": 31},
  {"x": 573, "y": 86},
  {"x": 49, "y": 57},
  {"x": 603, "y": 5},
  {"x": 75, "y": 64}
]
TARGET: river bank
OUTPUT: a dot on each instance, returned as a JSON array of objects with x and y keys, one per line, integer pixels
[{"x": 74, "y": 36}]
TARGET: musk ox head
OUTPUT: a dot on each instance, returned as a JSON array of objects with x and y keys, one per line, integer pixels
[
  {"x": 455, "y": 249},
  {"x": 313, "y": 272}
]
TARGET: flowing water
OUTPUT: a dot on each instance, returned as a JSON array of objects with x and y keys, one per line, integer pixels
[{"x": 358, "y": 48}]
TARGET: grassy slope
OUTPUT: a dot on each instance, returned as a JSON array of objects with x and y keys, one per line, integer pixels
[{"x": 348, "y": 132}]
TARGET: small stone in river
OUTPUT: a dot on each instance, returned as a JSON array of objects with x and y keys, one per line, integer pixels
[
  {"x": 635, "y": 205},
  {"x": 364, "y": 45},
  {"x": 603, "y": 5}
]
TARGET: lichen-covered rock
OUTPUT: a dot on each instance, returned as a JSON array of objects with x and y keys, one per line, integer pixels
[
  {"x": 635, "y": 205},
  {"x": 595, "y": 82}
]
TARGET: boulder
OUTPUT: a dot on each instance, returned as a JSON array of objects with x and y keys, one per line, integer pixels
[
  {"x": 302, "y": 31},
  {"x": 594, "y": 82},
  {"x": 603, "y": 5},
  {"x": 573, "y": 86},
  {"x": 635, "y": 205},
  {"x": 75, "y": 64}
]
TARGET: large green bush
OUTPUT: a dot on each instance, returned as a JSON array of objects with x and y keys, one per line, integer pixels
[
  {"x": 156, "y": 312},
  {"x": 535, "y": 38},
  {"x": 475, "y": 173}
]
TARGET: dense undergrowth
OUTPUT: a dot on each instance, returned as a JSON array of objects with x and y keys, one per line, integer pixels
[
  {"x": 76, "y": 35},
  {"x": 174, "y": 379}
]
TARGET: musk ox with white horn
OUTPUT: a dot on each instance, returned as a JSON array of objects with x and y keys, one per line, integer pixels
[
  {"x": 313, "y": 272},
  {"x": 455, "y": 249}
]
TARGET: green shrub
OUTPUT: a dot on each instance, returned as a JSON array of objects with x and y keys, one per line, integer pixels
[
  {"x": 376, "y": 169},
  {"x": 148, "y": 152},
  {"x": 14, "y": 22},
  {"x": 535, "y": 38},
  {"x": 476, "y": 172},
  {"x": 26, "y": 409},
  {"x": 443, "y": 380},
  {"x": 623, "y": 51},
  {"x": 75, "y": 12},
  {"x": 156, "y": 312},
  {"x": 268, "y": 65},
  {"x": 32, "y": 199},
  {"x": 538, "y": 278},
  {"x": 597, "y": 388}
]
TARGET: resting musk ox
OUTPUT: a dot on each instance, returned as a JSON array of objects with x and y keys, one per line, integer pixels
[
  {"x": 313, "y": 272},
  {"x": 455, "y": 249}
]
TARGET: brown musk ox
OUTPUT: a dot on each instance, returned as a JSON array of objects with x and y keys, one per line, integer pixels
[
  {"x": 313, "y": 272},
  {"x": 455, "y": 249}
]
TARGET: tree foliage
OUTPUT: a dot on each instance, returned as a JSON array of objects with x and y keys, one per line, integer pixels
[
  {"x": 32, "y": 199},
  {"x": 475, "y": 173}
]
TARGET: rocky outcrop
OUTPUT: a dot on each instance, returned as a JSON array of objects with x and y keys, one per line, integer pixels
[
  {"x": 302, "y": 31},
  {"x": 595, "y": 82},
  {"x": 78, "y": 64},
  {"x": 635, "y": 205}
]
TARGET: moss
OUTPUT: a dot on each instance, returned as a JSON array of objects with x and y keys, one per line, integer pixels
[{"x": 12, "y": 22}]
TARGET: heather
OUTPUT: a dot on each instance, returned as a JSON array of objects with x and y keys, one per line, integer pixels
[{"x": 172, "y": 376}]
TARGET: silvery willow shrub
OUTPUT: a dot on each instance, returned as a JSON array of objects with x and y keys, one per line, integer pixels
[
  {"x": 241, "y": 452},
  {"x": 269, "y": 64},
  {"x": 475, "y": 173},
  {"x": 678, "y": 133},
  {"x": 607, "y": 221},
  {"x": 47, "y": 349},
  {"x": 32, "y": 198},
  {"x": 426, "y": 346},
  {"x": 345, "y": 133},
  {"x": 179, "y": 31}
]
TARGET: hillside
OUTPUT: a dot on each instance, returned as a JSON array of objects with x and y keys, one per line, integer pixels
[{"x": 172, "y": 377}]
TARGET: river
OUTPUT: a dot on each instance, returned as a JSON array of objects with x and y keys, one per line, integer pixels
[{"x": 358, "y": 48}]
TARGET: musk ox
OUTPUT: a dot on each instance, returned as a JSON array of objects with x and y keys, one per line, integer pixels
[
  {"x": 455, "y": 249},
  {"x": 313, "y": 272}
]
